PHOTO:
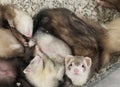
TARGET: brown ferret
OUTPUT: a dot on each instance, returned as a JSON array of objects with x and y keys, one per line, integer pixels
[
  {"x": 109, "y": 3},
  {"x": 112, "y": 42},
  {"x": 83, "y": 38}
]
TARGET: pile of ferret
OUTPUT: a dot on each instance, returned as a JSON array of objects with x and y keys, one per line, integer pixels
[{"x": 54, "y": 49}]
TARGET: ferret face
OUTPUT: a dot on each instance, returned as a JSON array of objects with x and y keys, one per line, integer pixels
[
  {"x": 25, "y": 27},
  {"x": 78, "y": 69},
  {"x": 23, "y": 23},
  {"x": 35, "y": 64},
  {"x": 43, "y": 73},
  {"x": 77, "y": 66}
]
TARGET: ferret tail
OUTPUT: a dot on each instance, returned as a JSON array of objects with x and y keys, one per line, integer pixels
[{"x": 5, "y": 2}]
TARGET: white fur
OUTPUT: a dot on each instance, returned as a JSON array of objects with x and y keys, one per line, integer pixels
[
  {"x": 15, "y": 46},
  {"x": 47, "y": 77},
  {"x": 23, "y": 23},
  {"x": 81, "y": 78},
  {"x": 5, "y": 2},
  {"x": 78, "y": 80},
  {"x": 52, "y": 46}
]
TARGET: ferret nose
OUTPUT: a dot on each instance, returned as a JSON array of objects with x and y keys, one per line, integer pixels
[
  {"x": 76, "y": 70},
  {"x": 29, "y": 35}
]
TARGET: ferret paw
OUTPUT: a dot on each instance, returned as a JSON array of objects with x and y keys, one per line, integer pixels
[
  {"x": 103, "y": 70},
  {"x": 31, "y": 43}
]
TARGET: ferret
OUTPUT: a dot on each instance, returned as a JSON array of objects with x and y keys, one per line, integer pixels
[
  {"x": 112, "y": 42},
  {"x": 109, "y": 3},
  {"x": 44, "y": 72},
  {"x": 23, "y": 23},
  {"x": 51, "y": 46},
  {"x": 16, "y": 18},
  {"x": 78, "y": 69},
  {"x": 10, "y": 17},
  {"x": 84, "y": 38}
]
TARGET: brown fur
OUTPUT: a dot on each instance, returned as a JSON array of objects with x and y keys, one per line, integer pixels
[
  {"x": 112, "y": 42},
  {"x": 82, "y": 37},
  {"x": 11, "y": 71},
  {"x": 6, "y": 14},
  {"x": 7, "y": 44}
]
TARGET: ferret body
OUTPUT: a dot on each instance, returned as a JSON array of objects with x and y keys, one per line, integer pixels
[
  {"x": 78, "y": 69},
  {"x": 44, "y": 72},
  {"x": 9, "y": 46},
  {"x": 112, "y": 42},
  {"x": 83, "y": 38},
  {"x": 52, "y": 46}
]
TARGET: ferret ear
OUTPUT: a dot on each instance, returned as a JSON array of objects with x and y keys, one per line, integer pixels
[
  {"x": 11, "y": 23},
  {"x": 68, "y": 58},
  {"x": 88, "y": 61},
  {"x": 45, "y": 20}
]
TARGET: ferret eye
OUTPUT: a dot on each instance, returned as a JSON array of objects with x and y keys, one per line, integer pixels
[
  {"x": 83, "y": 66},
  {"x": 70, "y": 64}
]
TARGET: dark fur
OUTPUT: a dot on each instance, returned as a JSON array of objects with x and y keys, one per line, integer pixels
[
  {"x": 6, "y": 13},
  {"x": 16, "y": 66},
  {"x": 83, "y": 38}
]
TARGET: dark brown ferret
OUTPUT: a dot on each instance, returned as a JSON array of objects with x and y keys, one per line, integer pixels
[{"x": 83, "y": 38}]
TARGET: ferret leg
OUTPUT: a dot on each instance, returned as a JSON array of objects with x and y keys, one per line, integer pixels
[
  {"x": 19, "y": 37},
  {"x": 60, "y": 74},
  {"x": 31, "y": 43},
  {"x": 105, "y": 59}
]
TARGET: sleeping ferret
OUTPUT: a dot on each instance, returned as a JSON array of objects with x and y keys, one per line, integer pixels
[
  {"x": 17, "y": 19},
  {"x": 43, "y": 71}
]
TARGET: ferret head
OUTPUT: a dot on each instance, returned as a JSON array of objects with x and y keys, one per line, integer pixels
[
  {"x": 78, "y": 69},
  {"x": 23, "y": 23},
  {"x": 35, "y": 64}
]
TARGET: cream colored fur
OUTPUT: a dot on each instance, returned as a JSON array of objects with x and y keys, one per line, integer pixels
[
  {"x": 47, "y": 76},
  {"x": 9, "y": 46},
  {"x": 112, "y": 42}
]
